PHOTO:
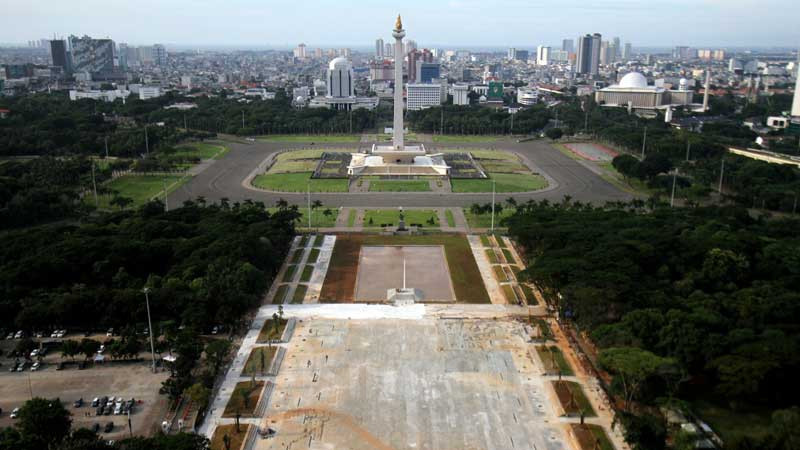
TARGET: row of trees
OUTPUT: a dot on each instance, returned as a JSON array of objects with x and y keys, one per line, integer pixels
[
  {"x": 451, "y": 119},
  {"x": 683, "y": 303}
]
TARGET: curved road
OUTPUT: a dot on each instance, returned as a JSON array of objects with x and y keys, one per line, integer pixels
[{"x": 224, "y": 179}]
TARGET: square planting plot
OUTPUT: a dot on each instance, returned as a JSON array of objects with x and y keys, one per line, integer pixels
[
  {"x": 244, "y": 399},
  {"x": 380, "y": 268},
  {"x": 280, "y": 294},
  {"x": 259, "y": 361}
]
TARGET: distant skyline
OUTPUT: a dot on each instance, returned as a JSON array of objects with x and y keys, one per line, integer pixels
[{"x": 445, "y": 23}]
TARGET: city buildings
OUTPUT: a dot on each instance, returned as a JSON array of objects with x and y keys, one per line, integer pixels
[
  {"x": 379, "y": 47},
  {"x": 341, "y": 90},
  {"x": 588, "y": 58},
  {"x": 300, "y": 51},
  {"x": 542, "y": 55},
  {"x": 92, "y": 56},
  {"x": 58, "y": 53},
  {"x": 427, "y": 72},
  {"x": 634, "y": 92},
  {"x": 423, "y": 95},
  {"x": 527, "y": 96},
  {"x": 567, "y": 45},
  {"x": 461, "y": 94}
]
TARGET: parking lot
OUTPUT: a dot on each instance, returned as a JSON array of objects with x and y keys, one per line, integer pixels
[{"x": 111, "y": 379}]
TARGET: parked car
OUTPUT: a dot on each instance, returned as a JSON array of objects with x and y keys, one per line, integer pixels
[
  {"x": 18, "y": 335},
  {"x": 109, "y": 427},
  {"x": 95, "y": 402},
  {"x": 78, "y": 403},
  {"x": 21, "y": 366},
  {"x": 10, "y": 336},
  {"x": 96, "y": 427},
  {"x": 110, "y": 332},
  {"x": 99, "y": 411},
  {"x": 108, "y": 409},
  {"x": 34, "y": 352},
  {"x": 14, "y": 413},
  {"x": 13, "y": 367},
  {"x": 36, "y": 366}
]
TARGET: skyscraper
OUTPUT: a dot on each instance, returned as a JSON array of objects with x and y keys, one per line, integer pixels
[
  {"x": 427, "y": 72},
  {"x": 595, "y": 61},
  {"x": 567, "y": 45},
  {"x": 617, "y": 48},
  {"x": 626, "y": 54},
  {"x": 584, "y": 57},
  {"x": 542, "y": 55},
  {"x": 796, "y": 99},
  {"x": 159, "y": 55},
  {"x": 94, "y": 56},
  {"x": 379, "y": 48},
  {"x": 58, "y": 51}
]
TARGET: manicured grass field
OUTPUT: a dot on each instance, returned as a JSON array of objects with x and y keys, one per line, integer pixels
[
  {"x": 299, "y": 182},
  {"x": 299, "y": 294},
  {"x": 572, "y": 399},
  {"x": 268, "y": 331},
  {"x": 553, "y": 360},
  {"x": 288, "y": 276},
  {"x": 296, "y": 256},
  {"x": 500, "y": 241},
  {"x": 339, "y": 286},
  {"x": 508, "y": 292},
  {"x": 392, "y": 217},
  {"x": 499, "y": 273},
  {"x": 201, "y": 150},
  {"x": 485, "y": 220},
  {"x": 507, "y": 254},
  {"x": 491, "y": 256},
  {"x": 237, "y": 401},
  {"x": 399, "y": 186},
  {"x": 306, "y": 275},
  {"x": 351, "y": 218},
  {"x": 448, "y": 215},
  {"x": 236, "y": 439},
  {"x": 455, "y": 138},
  {"x": 139, "y": 188},
  {"x": 258, "y": 355},
  {"x": 280, "y": 294},
  {"x": 318, "y": 240},
  {"x": 591, "y": 437},
  {"x": 333, "y": 138},
  {"x": 530, "y": 297},
  {"x": 504, "y": 182},
  {"x": 318, "y": 218},
  {"x": 313, "y": 256},
  {"x": 485, "y": 240}
]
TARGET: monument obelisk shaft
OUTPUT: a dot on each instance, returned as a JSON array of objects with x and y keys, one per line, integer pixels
[{"x": 398, "y": 33}]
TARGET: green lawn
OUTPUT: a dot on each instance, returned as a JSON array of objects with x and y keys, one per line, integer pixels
[
  {"x": 299, "y": 182},
  {"x": 530, "y": 297},
  {"x": 508, "y": 292},
  {"x": 313, "y": 256},
  {"x": 504, "y": 182},
  {"x": 448, "y": 215},
  {"x": 280, "y": 294},
  {"x": 485, "y": 240},
  {"x": 237, "y": 402},
  {"x": 268, "y": 331},
  {"x": 554, "y": 359},
  {"x": 392, "y": 217},
  {"x": 303, "y": 240},
  {"x": 299, "y": 294},
  {"x": 499, "y": 273},
  {"x": 288, "y": 276},
  {"x": 318, "y": 240},
  {"x": 729, "y": 424},
  {"x": 580, "y": 403},
  {"x": 139, "y": 188},
  {"x": 399, "y": 186},
  {"x": 305, "y": 277},
  {"x": 491, "y": 256},
  {"x": 318, "y": 218},
  {"x": 296, "y": 256},
  {"x": 201, "y": 150},
  {"x": 485, "y": 220},
  {"x": 455, "y": 138},
  {"x": 507, "y": 253},
  {"x": 258, "y": 356},
  {"x": 332, "y": 138},
  {"x": 351, "y": 218}
]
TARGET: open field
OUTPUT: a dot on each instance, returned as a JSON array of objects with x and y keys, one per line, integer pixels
[
  {"x": 340, "y": 281},
  {"x": 351, "y": 218},
  {"x": 399, "y": 186},
  {"x": 236, "y": 439},
  {"x": 504, "y": 182},
  {"x": 299, "y": 182},
  {"x": 391, "y": 217},
  {"x": 257, "y": 356},
  {"x": 202, "y": 150},
  {"x": 139, "y": 188},
  {"x": 427, "y": 384},
  {"x": 485, "y": 220},
  {"x": 125, "y": 379},
  {"x": 315, "y": 138},
  {"x": 237, "y": 403},
  {"x": 318, "y": 217}
]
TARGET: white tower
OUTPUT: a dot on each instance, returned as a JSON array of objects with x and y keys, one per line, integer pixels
[
  {"x": 707, "y": 87},
  {"x": 796, "y": 101},
  {"x": 399, "y": 33}
]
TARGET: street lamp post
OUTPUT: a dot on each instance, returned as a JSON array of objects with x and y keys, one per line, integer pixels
[
  {"x": 493, "y": 192},
  {"x": 146, "y": 291}
]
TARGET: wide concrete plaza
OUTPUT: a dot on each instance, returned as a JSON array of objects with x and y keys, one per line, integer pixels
[
  {"x": 429, "y": 383},
  {"x": 381, "y": 268}
]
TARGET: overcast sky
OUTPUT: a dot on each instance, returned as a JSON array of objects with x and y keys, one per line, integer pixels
[{"x": 357, "y": 23}]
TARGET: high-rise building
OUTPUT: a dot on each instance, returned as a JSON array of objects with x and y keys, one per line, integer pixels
[
  {"x": 796, "y": 100},
  {"x": 617, "y": 49},
  {"x": 542, "y": 55},
  {"x": 567, "y": 45},
  {"x": 58, "y": 51},
  {"x": 605, "y": 51},
  {"x": 680, "y": 52},
  {"x": 423, "y": 95},
  {"x": 626, "y": 54},
  {"x": 461, "y": 94},
  {"x": 93, "y": 56},
  {"x": 521, "y": 55},
  {"x": 387, "y": 50},
  {"x": 588, "y": 60},
  {"x": 427, "y": 72},
  {"x": 300, "y": 51},
  {"x": 340, "y": 79},
  {"x": 379, "y": 46},
  {"x": 159, "y": 55},
  {"x": 512, "y": 53}
]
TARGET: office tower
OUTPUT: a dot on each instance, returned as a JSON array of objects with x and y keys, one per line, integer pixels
[
  {"x": 626, "y": 54},
  {"x": 58, "y": 51},
  {"x": 427, "y": 72},
  {"x": 93, "y": 56},
  {"x": 796, "y": 99},
  {"x": 340, "y": 78},
  {"x": 387, "y": 50},
  {"x": 159, "y": 55},
  {"x": 617, "y": 49},
  {"x": 542, "y": 55},
  {"x": 604, "y": 52},
  {"x": 299, "y": 51},
  {"x": 595, "y": 59},
  {"x": 379, "y": 48},
  {"x": 460, "y": 94},
  {"x": 584, "y": 56},
  {"x": 521, "y": 55},
  {"x": 512, "y": 54},
  {"x": 567, "y": 45},
  {"x": 122, "y": 55},
  {"x": 706, "y": 89},
  {"x": 421, "y": 96}
]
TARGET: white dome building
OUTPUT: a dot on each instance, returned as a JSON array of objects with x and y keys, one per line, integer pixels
[
  {"x": 340, "y": 84},
  {"x": 634, "y": 92}
]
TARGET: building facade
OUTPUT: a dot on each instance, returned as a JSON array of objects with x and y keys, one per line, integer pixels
[
  {"x": 93, "y": 56},
  {"x": 421, "y": 96}
]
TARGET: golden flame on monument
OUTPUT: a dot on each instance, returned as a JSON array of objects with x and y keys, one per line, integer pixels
[{"x": 399, "y": 24}]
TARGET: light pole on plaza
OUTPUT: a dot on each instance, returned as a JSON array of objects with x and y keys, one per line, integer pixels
[{"x": 146, "y": 291}]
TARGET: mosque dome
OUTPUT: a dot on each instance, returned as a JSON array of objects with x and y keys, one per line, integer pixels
[
  {"x": 633, "y": 80},
  {"x": 340, "y": 63}
]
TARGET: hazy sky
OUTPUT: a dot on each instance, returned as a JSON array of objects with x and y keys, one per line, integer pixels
[{"x": 327, "y": 23}]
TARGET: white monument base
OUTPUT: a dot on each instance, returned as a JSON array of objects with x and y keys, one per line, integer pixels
[{"x": 404, "y": 296}]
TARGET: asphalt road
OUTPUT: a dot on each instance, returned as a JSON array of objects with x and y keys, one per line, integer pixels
[{"x": 224, "y": 179}]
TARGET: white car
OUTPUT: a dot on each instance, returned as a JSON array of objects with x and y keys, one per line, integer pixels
[
  {"x": 18, "y": 335},
  {"x": 61, "y": 333},
  {"x": 36, "y": 366},
  {"x": 34, "y": 353},
  {"x": 101, "y": 349},
  {"x": 14, "y": 413},
  {"x": 110, "y": 332},
  {"x": 54, "y": 334},
  {"x": 10, "y": 336}
]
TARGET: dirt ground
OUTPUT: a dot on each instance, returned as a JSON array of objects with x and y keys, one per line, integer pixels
[
  {"x": 380, "y": 268},
  {"x": 128, "y": 380}
]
